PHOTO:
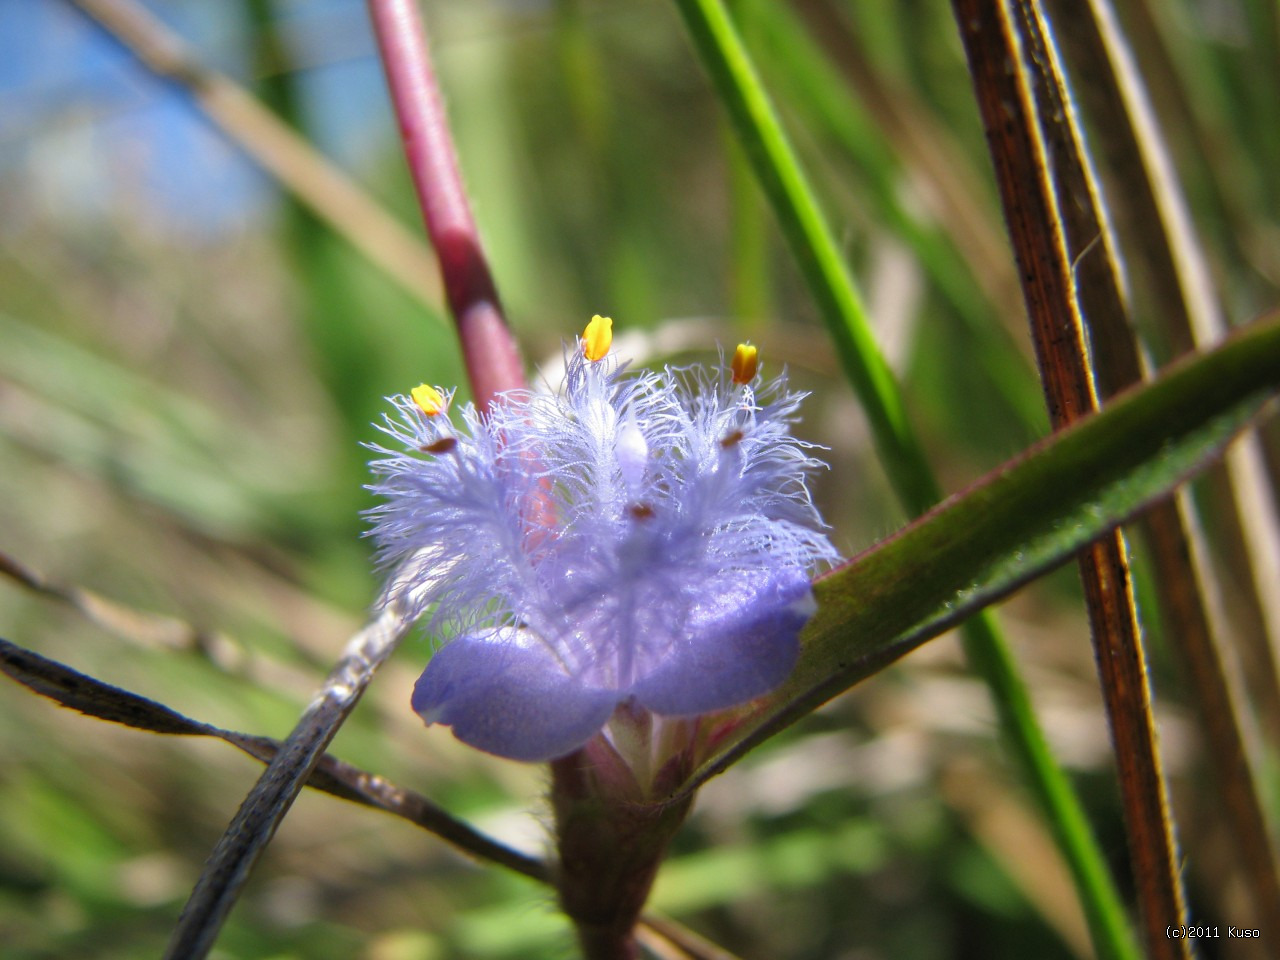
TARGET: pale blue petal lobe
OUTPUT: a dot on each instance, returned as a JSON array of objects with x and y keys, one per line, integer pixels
[
  {"x": 740, "y": 646},
  {"x": 509, "y": 699}
]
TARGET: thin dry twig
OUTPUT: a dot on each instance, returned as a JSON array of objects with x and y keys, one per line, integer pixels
[
  {"x": 1152, "y": 214},
  {"x": 667, "y": 938},
  {"x": 148, "y": 629},
  {"x": 1181, "y": 557},
  {"x": 256, "y": 821},
  {"x": 995, "y": 37},
  {"x": 100, "y": 700},
  {"x": 299, "y": 167},
  {"x": 143, "y": 627}
]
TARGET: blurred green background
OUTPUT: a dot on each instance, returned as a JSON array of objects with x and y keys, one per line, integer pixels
[{"x": 190, "y": 360}]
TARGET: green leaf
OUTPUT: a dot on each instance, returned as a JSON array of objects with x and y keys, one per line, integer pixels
[{"x": 1025, "y": 518}]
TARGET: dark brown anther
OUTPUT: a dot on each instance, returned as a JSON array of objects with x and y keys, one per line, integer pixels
[
  {"x": 731, "y": 439},
  {"x": 641, "y": 511},
  {"x": 443, "y": 445}
]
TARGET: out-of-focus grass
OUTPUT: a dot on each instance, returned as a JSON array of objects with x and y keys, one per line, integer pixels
[{"x": 180, "y": 419}]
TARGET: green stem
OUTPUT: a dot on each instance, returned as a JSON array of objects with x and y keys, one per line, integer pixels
[
  {"x": 814, "y": 245},
  {"x": 990, "y": 658}
]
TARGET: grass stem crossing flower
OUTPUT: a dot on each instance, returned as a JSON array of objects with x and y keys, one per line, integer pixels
[{"x": 636, "y": 537}]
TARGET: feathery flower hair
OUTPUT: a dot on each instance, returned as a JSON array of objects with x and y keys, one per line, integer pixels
[{"x": 639, "y": 536}]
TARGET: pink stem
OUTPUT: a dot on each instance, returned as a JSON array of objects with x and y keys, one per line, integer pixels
[{"x": 488, "y": 349}]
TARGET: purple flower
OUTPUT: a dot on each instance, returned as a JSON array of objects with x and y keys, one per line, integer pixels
[{"x": 638, "y": 536}]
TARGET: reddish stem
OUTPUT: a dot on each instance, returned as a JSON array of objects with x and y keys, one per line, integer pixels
[
  {"x": 610, "y": 845},
  {"x": 488, "y": 349}
]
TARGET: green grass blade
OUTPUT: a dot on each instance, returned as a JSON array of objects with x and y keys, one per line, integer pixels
[
  {"x": 815, "y": 248},
  {"x": 882, "y": 154}
]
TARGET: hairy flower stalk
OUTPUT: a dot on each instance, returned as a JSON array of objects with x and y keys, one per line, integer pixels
[{"x": 638, "y": 538}]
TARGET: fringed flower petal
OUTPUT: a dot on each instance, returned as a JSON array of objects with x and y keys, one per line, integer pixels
[
  {"x": 742, "y": 643},
  {"x": 637, "y": 536},
  {"x": 510, "y": 698}
]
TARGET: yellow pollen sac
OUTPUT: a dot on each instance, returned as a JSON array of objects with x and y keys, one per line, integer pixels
[
  {"x": 597, "y": 338},
  {"x": 429, "y": 400},
  {"x": 744, "y": 363}
]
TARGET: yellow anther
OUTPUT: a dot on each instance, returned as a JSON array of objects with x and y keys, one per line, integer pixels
[
  {"x": 744, "y": 363},
  {"x": 597, "y": 338},
  {"x": 429, "y": 400}
]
